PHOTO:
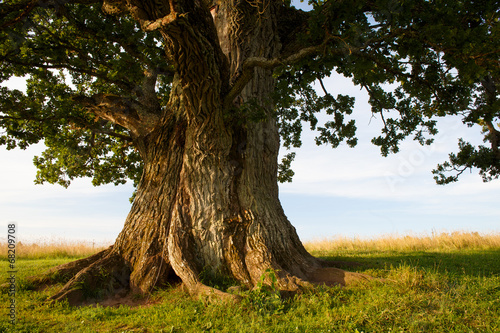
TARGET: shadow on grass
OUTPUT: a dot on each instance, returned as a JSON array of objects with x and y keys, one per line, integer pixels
[{"x": 474, "y": 263}]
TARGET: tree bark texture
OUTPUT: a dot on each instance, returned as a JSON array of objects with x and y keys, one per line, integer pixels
[{"x": 208, "y": 198}]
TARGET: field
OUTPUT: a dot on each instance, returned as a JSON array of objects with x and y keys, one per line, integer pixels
[{"x": 432, "y": 283}]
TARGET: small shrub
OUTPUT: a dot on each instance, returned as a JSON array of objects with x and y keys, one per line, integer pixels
[{"x": 265, "y": 298}]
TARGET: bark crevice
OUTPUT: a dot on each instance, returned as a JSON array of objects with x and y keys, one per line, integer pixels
[{"x": 208, "y": 198}]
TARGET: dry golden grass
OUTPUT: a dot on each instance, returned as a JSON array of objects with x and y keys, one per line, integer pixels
[
  {"x": 50, "y": 248},
  {"x": 45, "y": 248},
  {"x": 435, "y": 241}
]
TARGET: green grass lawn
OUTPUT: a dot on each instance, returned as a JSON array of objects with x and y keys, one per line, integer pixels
[{"x": 438, "y": 290}]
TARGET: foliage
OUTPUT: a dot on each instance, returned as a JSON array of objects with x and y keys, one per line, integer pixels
[
  {"x": 417, "y": 60},
  {"x": 70, "y": 51},
  {"x": 265, "y": 298}
]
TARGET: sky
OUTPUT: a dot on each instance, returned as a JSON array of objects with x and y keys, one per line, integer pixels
[
  {"x": 355, "y": 192},
  {"x": 346, "y": 192}
]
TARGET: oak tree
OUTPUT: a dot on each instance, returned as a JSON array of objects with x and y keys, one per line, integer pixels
[{"x": 190, "y": 99}]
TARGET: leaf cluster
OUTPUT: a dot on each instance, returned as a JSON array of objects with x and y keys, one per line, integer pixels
[
  {"x": 265, "y": 298},
  {"x": 65, "y": 51},
  {"x": 417, "y": 60}
]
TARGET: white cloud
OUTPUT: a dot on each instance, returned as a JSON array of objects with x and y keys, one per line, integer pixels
[
  {"x": 397, "y": 191},
  {"x": 50, "y": 211},
  {"x": 18, "y": 174}
]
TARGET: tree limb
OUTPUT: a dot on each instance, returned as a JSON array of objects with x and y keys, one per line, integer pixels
[
  {"x": 117, "y": 37},
  {"x": 139, "y": 13},
  {"x": 112, "y": 133},
  {"x": 91, "y": 71},
  {"x": 26, "y": 7},
  {"x": 269, "y": 64},
  {"x": 149, "y": 26},
  {"x": 119, "y": 110},
  {"x": 94, "y": 128},
  {"x": 323, "y": 86},
  {"x": 493, "y": 137}
]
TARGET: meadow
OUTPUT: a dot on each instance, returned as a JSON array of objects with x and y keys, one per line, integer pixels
[{"x": 442, "y": 282}]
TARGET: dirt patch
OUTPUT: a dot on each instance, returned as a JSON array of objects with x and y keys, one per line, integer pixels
[
  {"x": 129, "y": 300},
  {"x": 334, "y": 276},
  {"x": 124, "y": 297}
]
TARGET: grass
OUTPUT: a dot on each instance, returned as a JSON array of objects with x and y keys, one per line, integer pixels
[
  {"x": 434, "y": 242},
  {"x": 53, "y": 248},
  {"x": 436, "y": 283}
]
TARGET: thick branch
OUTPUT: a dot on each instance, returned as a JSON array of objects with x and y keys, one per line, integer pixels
[
  {"x": 148, "y": 97},
  {"x": 136, "y": 9},
  {"x": 109, "y": 132},
  {"x": 122, "y": 111},
  {"x": 269, "y": 64},
  {"x": 89, "y": 71},
  {"x": 114, "y": 7},
  {"x": 116, "y": 37},
  {"x": 96, "y": 127},
  {"x": 148, "y": 26},
  {"x": 493, "y": 137},
  {"x": 26, "y": 9},
  {"x": 293, "y": 23}
]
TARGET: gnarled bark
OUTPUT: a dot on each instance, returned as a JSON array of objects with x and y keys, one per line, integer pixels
[{"x": 208, "y": 197}]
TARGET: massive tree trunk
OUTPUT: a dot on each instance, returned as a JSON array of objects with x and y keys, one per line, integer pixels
[{"x": 208, "y": 201}]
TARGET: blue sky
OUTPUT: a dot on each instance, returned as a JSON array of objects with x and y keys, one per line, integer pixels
[
  {"x": 357, "y": 192},
  {"x": 335, "y": 192}
]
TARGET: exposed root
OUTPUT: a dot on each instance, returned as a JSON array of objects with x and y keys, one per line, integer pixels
[
  {"x": 331, "y": 276},
  {"x": 65, "y": 272},
  {"x": 106, "y": 276},
  {"x": 213, "y": 294}
]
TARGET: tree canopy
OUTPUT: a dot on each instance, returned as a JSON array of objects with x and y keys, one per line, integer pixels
[
  {"x": 189, "y": 98},
  {"x": 418, "y": 60}
]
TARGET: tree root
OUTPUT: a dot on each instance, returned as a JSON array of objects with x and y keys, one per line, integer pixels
[
  {"x": 108, "y": 275},
  {"x": 214, "y": 294},
  {"x": 332, "y": 276},
  {"x": 63, "y": 273}
]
